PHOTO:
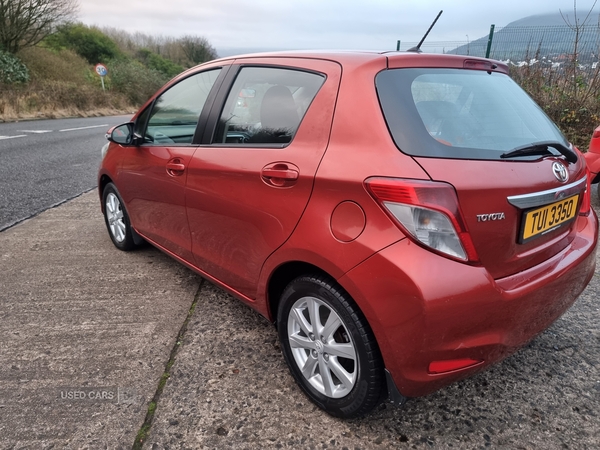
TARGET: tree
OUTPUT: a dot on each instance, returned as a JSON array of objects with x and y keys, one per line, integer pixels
[
  {"x": 24, "y": 23},
  {"x": 186, "y": 51},
  {"x": 197, "y": 49},
  {"x": 578, "y": 27}
]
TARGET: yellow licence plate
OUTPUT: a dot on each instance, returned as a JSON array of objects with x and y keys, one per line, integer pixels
[{"x": 547, "y": 218}]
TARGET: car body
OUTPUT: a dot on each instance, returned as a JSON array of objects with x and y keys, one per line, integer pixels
[
  {"x": 592, "y": 157},
  {"x": 404, "y": 219}
]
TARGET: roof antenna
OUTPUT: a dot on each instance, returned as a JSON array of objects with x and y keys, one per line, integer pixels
[{"x": 417, "y": 49}]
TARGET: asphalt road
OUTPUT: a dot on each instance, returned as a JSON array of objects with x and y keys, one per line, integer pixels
[{"x": 46, "y": 162}]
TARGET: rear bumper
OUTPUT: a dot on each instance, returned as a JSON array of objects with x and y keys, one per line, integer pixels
[{"x": 426, "y": 308}]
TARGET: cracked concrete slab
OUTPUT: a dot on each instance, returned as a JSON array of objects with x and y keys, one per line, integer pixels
[{"x": 79, "y": 321}]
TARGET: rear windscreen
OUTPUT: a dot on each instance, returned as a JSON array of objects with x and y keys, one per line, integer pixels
[{"x": 457, "y": 113}]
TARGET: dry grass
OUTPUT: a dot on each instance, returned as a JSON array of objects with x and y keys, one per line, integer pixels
[
  {"x": 53, "y": 99},
  {"x": 48, "y": 65},
  {"x": 62, "y": 85}
]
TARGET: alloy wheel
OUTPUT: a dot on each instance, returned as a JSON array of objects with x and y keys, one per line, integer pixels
[
  {"x": 115, "y": 218},
  {"x": 322, "y": 347}
]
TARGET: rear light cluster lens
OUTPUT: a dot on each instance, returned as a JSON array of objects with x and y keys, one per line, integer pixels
[
  {"x": 428, "y": 211},
  {"x": 430, "y": 227}
]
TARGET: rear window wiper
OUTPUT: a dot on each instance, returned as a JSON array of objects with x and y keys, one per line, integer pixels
[{"x": 542, "y": 148}]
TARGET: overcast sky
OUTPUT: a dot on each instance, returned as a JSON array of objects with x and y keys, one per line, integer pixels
[{"x": 233, "y": 26}]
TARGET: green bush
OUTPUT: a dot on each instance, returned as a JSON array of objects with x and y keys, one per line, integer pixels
[
  {"x": 157, "y": 62},
  {"x": 570, "y": 96},
  {"x": 12, "y": 70},
  {"x": 134, "y": 80},
  {"x": 90, "y": 43}
]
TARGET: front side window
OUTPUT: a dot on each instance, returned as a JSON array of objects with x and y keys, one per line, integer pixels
[
  {"x": 175, "y": 113},
  {"x": 458, "y": 113},
  {"x": 266, "y": 105}
]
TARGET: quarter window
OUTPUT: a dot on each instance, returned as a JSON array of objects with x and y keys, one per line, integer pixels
[
  {"x": 266, "y": 105},
  {"x": 175, "y": 113}
]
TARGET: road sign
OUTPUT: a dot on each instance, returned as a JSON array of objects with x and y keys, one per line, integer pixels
[{"x": 101, "y": 70}]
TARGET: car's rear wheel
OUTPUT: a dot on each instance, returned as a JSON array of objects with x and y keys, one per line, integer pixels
[
  {"x": 329, "y": 347},
  {"x": 117, "y": 219}
]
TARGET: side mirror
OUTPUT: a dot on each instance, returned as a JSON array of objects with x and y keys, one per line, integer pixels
[{"x": 123, "y": 135}]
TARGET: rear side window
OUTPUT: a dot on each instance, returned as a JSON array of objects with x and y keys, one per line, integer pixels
[
  {"x": 458, "y": 113},
  {"x": 266, "y": 105},
  {"x": 175, "y": 113}
]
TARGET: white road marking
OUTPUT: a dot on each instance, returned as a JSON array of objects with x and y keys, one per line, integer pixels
[
  {"x": 84, "y": 128},
  {"x": 12, "y": 137},
  {"x": 35, "y": 131}
]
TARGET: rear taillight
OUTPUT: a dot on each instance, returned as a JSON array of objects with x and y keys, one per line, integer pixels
[
  {"x": 586, "y": 201},
  {"x": 428, "y": 212}
]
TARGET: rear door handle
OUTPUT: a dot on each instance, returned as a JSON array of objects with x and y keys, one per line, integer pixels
[
  {"x": 280, "y": 174},
  {"x": 285, "y": 174},
  {"x": 175, "y": 167}
]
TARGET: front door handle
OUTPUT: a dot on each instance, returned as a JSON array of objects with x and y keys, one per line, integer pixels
[{"x": 280, "y": 174}]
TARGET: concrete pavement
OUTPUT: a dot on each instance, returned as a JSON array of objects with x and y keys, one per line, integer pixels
[{"x": 78, "y": 318}]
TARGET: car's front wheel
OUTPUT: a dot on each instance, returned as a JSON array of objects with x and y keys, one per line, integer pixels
[
  {"x": 329, "y": 347},
  {"x": 117, "y": 219}
]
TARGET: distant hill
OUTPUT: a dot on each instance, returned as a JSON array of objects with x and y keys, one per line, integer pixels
[
  {"x": 541, "y": 36},
  {"x": 542, "y": 20}
]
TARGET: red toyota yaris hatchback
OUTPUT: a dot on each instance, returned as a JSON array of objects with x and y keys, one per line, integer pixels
[{"x": 404, "y": 219}]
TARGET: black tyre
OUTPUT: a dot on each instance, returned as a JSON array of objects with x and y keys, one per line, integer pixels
[
  {"x": 117, "y": 219},
  {"x": 329, "y": 347}
]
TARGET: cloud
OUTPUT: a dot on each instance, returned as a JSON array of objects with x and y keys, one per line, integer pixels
[{"x": 296, "y": 24}]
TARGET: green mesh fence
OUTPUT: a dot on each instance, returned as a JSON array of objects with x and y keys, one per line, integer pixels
[{"x": 554, "y": 45}]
